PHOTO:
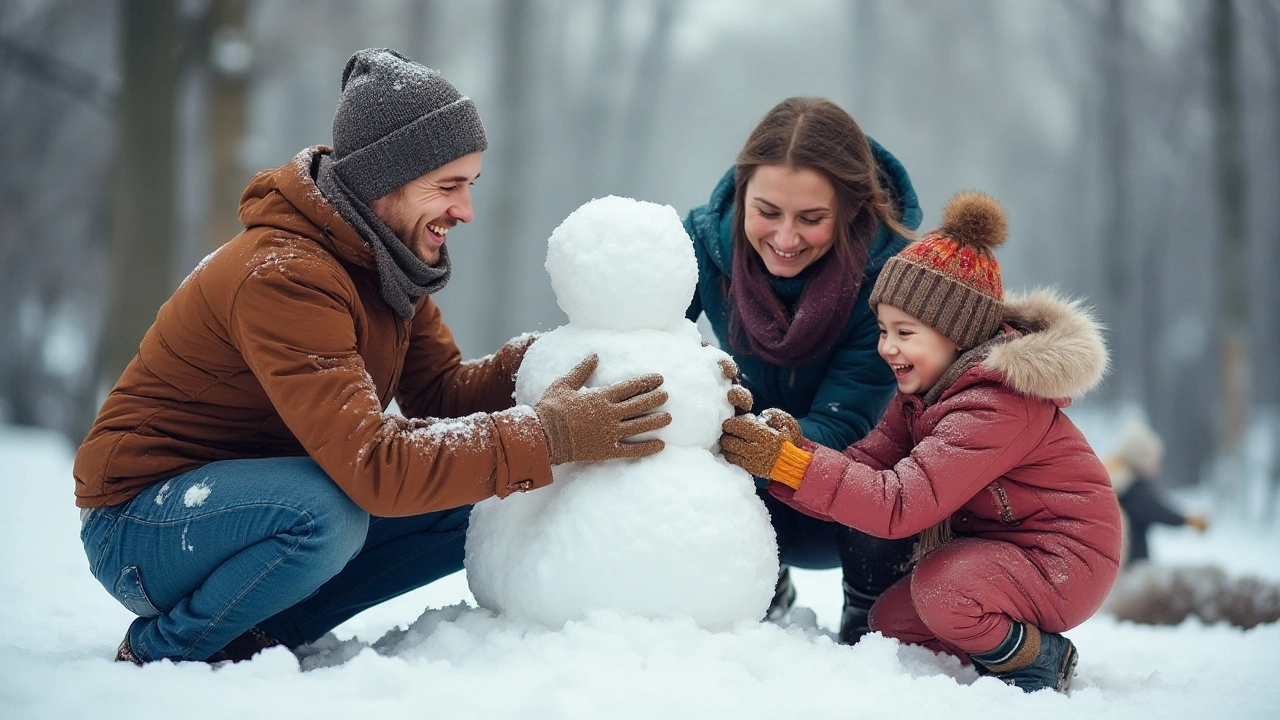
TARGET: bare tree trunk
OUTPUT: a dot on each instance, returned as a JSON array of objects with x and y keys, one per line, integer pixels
[
  {"x": 1232, "y": 272},
  {"x": 229, "y": 55},
  {"x": 1120, "y": 253},
  {"x": 597, "y": 102},
  {"x": 144, "y": 223},
  {"x": 515, "y": 83},
  {"x": 420, "y": 37},
  {"x": 1266, "y": 380},
  {"x": 637, "y": 135},
  {"x": 1267, "y": 347},
  {"x": 865, "y": 58},
  {"x": 1229, "y": 173}
]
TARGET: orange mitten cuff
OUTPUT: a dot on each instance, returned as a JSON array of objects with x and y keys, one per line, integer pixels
[{"x": 789, "y": 468}]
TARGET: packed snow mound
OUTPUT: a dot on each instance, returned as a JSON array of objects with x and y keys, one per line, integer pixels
[
  {"x": 677, "y": 535},
  {"x": 622, "y": 264},
  {"x": 59, "y": 629},
  {"x": 697, "y": 390}
]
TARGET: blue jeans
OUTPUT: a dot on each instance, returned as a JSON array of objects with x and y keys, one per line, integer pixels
[{"x": 270, "y": 542}]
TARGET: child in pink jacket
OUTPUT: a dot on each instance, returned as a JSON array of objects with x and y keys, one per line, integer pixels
[{"x": 1019, "y": 528}]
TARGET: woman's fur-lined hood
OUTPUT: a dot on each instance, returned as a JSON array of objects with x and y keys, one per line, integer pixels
[
  {"x": 1056, "y": 352},
  {"x": 1060, "y": 352}
]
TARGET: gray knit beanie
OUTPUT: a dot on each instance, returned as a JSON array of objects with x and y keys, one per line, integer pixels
[{"x": 396, "y": 121}]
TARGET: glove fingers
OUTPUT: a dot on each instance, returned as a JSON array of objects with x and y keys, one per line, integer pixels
[
  {"x": 577, "y": 377},
  {"x": 640, "y": 449},
  {"x": 729, "y": 368},
  {"x": 737, "y": 459},
  {"x": 746, "y": 427},
  {"x": 626, "y": 389},
  {"x": 785, "y": 425},
  {"x": 745, "y": 463},
  {"x": 730, "y": 444},
  {"x": 640, "y": 404},
  {"x": 740, "y": 398},
  {"x": 643, "y": 424}
]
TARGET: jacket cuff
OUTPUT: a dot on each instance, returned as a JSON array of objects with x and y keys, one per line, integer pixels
[
  {"x": 789, "y": 468},
  {"x": 823, "y": 473},
  {"x": 527, "y": 457}
]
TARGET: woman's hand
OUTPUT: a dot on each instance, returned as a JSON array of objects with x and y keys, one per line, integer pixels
[{"x": 739, "y": 397}]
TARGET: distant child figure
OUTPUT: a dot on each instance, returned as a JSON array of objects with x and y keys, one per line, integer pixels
[
  {"x": 1133, "y": 468},
  {"x": 1020, "y": 528}
]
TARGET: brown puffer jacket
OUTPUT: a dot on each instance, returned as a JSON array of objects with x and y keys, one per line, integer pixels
[{"x": 280, "y": 344}]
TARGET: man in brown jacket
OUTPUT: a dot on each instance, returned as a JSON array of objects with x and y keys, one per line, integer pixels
[{"x": 242, "y": 486}]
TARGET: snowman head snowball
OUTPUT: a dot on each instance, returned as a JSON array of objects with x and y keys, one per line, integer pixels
[{"x": 622, "y": 264}]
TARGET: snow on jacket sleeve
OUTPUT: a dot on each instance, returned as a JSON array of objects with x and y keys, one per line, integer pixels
[
  {"x": 311, "y": 371},
  {"x": 887, "y": 443},
  {"x": 969, "y": 448}
]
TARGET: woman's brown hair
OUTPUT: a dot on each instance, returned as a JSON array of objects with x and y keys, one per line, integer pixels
[{"x": 817, "y": 134}]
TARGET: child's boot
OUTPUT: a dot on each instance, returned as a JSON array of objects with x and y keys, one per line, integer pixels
[
  {"x": 854, "y": 617},
  {"x": 1030, "y": 659}
]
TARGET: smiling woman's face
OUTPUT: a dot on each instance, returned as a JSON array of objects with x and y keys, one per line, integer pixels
[{"x": 790, "y": 217}]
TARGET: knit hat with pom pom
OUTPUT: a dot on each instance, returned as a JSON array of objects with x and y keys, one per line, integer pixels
[{"x": 949, "y": 279}]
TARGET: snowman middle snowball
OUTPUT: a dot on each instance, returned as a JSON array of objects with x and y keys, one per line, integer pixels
[{"x": 678, "y": 534}]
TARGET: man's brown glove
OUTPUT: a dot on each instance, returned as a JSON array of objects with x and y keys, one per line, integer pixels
[
  {"x": 588, "y": 425},
  {"x": 739, "y": 397}
]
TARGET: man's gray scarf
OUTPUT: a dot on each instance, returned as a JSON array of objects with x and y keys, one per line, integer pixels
[{"x": 403, "y": 276}]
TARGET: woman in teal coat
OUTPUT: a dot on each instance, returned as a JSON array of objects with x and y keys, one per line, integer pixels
[{"x": 788, "y": 249}]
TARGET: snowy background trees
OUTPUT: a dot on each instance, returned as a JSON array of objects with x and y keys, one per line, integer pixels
[{"x": 1135, "y": 143}]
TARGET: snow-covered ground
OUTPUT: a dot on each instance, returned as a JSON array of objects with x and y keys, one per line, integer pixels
[{"x": 432, "y": 654}]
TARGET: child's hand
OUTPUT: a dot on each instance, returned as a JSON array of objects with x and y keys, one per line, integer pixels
[
  {"x": 1199, "y": 522},
  {"x": 782, "y": 421},
  {"x": 753, "y": 443},
  {"x": 750, "y": 444}
]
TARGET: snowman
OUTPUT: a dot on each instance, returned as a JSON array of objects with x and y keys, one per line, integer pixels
[{"x": 676, "y": 534}]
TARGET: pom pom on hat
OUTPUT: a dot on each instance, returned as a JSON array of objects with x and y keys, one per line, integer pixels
[{"x": 976, "y": 219}]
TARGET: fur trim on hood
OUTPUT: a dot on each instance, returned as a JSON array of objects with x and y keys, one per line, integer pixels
[{"x": 1060, "y": 354}]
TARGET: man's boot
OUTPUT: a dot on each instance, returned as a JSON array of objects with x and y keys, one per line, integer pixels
[
  {"x": 244, "y": 646},
  {"x": 784, "y": 597},
  {"x": 1030, "y": 659},
  {"x": 124, "y": 653}
]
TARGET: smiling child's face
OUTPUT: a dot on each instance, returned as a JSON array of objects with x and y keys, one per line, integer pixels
[{"x": 917, "y": 354}]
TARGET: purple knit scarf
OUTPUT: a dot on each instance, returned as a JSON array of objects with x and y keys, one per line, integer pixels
[{"x": 761, "y": 323}]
